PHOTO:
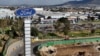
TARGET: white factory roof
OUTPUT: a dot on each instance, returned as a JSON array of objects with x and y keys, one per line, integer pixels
[
  {"x": 52, "y": 14},
  {"x": 6, "y": 12}
]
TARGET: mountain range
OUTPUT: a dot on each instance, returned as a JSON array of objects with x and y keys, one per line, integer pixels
[
  {"x": 75, "y": 3},
  {"x": 81, "y": 3}
]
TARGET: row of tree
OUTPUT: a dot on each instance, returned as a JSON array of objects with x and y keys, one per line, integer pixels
[
  {"x": 63, "y": 26},
  {"x": 92, "y": 18},
  {"x": 16, "y": 27}
]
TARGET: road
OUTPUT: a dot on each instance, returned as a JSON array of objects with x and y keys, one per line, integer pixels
[
  {"x": 15, "y": 49},
  {"x": 34, "y": 47},
  {"x": 18, "y": 48}
]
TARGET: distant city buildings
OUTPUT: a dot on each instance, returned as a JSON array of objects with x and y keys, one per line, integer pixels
[{"x": 45, "y": 18}]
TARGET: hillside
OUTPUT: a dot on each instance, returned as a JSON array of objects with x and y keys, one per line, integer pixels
[
  {"x": 95, "y": 2},
  {"x": 81, "y": 3}
]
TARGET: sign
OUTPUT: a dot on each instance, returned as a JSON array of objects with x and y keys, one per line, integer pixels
[{"x": 25, "y": 12}]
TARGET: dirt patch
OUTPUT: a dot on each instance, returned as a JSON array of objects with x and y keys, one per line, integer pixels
[
  {"x": 1, "y": 49},
  {"x": 48, "y": 51},
  {"x": 72, "y": 50}
]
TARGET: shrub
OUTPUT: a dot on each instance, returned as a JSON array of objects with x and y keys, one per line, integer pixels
[
  {"x": 34, "y": 32},
  {"x": 52, "y": 34},
  {"x": 0, "y": 43},
  {"x": 80, "y": 34}
]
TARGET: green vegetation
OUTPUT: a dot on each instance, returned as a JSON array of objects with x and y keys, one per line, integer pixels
[
  {"x": 10, "y": 29},
  {"x": 13, "y": 28},
  {"x": 49, "y": 17},
  {"x": 85, "y": 33},
  {"x": 71, "y": 42},
  {"x": 34, "y": 32},
  {"x": 97, "y": 31},
  {"x": 63, "y": 25},
  {"x": 4, "y": 23},
  {"x": 18, "y": 27},
  {"x": 52, "y": 34},
  {"x": 0, "y": 43},
  {"x": 79, "y": 34},
  {"x": 92, "y": 22},
  {"x": 48, "y": 36}
]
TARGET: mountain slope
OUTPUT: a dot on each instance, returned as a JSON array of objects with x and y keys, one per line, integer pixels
[
  {"x": 81, "y": 3},
  {"x": 95, "y": 2}
]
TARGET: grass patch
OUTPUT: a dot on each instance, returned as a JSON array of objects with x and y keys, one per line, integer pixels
[
  {"x": 84, "y": 33},
  {"x": 48, "y": 36},
  {"x": 81, "y": 34},
  {"x": 93, "y": 22},
  {"x": 97, "y": 31}
]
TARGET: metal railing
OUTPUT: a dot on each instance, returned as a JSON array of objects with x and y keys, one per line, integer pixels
[{"x": 71, "y": 41}]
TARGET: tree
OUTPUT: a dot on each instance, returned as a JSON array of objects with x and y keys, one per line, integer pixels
[
  {"x": 63, "y": 25},
  {"x": 88, "y": 17},
  {"x": 11, "y": 33},
  {"x": 4, "y": 23},
  {"x": 92, "y": 18},
  {"x": 12, "y": 8},
  {"x": 18, "y": 27},
  {"x": 34, "y": 32},
  {"x": 49, "y": 17},
  {"x": 99, "y": 17},
  {"x": 92, "y": 31},
  {"x": 0, "y": 43}
]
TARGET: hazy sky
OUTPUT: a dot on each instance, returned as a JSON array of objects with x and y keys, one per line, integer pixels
[{"x": 33, "y": 2}]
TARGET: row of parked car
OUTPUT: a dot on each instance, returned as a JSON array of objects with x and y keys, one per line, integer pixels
[{"x": 85, "y": 26}]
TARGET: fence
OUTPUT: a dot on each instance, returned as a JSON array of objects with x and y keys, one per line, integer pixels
[{"x": 71, "y": 41}]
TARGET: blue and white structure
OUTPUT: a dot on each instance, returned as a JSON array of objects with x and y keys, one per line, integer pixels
[
  {"x": 27, "y": 40},
  {"x": 26, "y": 13}
]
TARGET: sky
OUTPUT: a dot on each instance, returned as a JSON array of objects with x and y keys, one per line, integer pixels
[{"x": 33, "y": 2}]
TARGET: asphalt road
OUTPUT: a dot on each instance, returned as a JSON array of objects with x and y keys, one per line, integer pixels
[
  {"x": 34, "y": 47},
  {"x": 15, "y": 49},
  {"x": 18, "y": 48},
  {"x": 18, "y": 51}
]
